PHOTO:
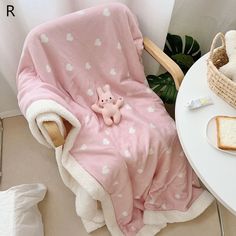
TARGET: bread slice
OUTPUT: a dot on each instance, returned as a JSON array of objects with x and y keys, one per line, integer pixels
[{"x": 226, "y": 132}]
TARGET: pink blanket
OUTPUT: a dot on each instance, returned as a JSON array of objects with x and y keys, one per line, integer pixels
[{"x": 136, "y": 169}]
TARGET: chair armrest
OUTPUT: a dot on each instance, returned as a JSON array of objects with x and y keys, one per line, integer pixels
[
  {"x": 54, "y": 132},
  {"x": 165, "y": 61}
]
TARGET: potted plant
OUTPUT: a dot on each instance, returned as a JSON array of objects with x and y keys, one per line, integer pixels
[{"x": 184, "y": 53}]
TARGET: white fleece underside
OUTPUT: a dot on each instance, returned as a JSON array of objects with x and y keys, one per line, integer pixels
[{"x": 86, "y": 188}]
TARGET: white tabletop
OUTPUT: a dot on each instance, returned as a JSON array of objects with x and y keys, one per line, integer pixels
[{"x": 216, "y": 169}]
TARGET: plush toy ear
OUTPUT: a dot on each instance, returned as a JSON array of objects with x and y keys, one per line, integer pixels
[
  {"x": 106, "y": 88},
  {"x": 99, "y": 91}
]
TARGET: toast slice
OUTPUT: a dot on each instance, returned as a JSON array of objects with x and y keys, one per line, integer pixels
[{"x": 226, "y": 132}]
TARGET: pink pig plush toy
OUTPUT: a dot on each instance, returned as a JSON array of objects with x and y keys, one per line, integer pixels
[{"x": 108, "y": 106}]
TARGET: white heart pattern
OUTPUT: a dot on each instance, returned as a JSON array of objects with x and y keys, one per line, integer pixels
[
  {"x": 150, "y": 109},
  {"x": 44, "y": 38},
  {"x": 48, "y": 69},
  {"x": 90, "y": 92},
  {"x": 140, "y": 171},
  {"x": 128, "y": 107},
  {"x": 118, "y": 46},
  {"x": 115, "y": 183},
  {"x": 152, "y": 201},
  {"x": 105, "y": 170},
  {"x": 177, "y": 196},
  {"x": 163, "y": 206},
  {"x": 106, "y": 12},
  {"x": 87, "y": 119},
  {"x": 105, "y": 141},
  {"x": 83, "y": 147},
  {"x": 88, "y": 66},
  {"x": 107, "y": 132},
  {"x": 180, "y": 175},
  {"x": 150, "y": 151},
  {"x": 124, "y": 213},
  {"x": 69, "y": 67},
  {"x": 98, "y": 42},
  {"x": 127, "y": 153},
  {"x": 152, "y": 126},
  {"x": 69, "y": 37},
  {"x": 168, "y": 152},
  {"x": 132, "y": 130},
  {"x": 113, "y": 71}
]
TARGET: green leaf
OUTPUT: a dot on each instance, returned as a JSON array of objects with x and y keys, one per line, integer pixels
[
  {"x": 175, "y": 43},
  {"x": 188, "y": 44},
  {"x": 178, "y": 43},
  {"x": 163, "y": 85},
  {"x": 171, "y": 95},
  {"x": 197, "y": 56},
  {"x": 167, "y": 50},
  {"x": 195, "y": 47},
  {"x": 184, "y": 54},
  {"x": 183, "y": 60},
  {"x": 167, "y": 97},
  {"x": 157, "y": 89},
  {"x": 163, "y": 94}
]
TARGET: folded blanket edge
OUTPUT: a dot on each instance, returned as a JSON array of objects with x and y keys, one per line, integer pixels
[
  {"x": 37, "y": 109},
  {"x": 174, "y": 216}
]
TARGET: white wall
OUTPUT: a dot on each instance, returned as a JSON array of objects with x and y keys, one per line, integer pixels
[
  {"x": 202, "y": 19},
  {"x": 8, "y": 102}
]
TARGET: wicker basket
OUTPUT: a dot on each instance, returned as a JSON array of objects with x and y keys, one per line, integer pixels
[{"x": 218, "y": 82}]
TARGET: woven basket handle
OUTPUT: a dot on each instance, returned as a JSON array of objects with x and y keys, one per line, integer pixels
[{"x": 213, "y": 45}]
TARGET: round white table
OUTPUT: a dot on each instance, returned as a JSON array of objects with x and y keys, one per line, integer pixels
[{"x": 216, "y": 169}]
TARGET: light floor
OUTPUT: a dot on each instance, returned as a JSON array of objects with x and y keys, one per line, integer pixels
[{"x": 26, "y": 161}]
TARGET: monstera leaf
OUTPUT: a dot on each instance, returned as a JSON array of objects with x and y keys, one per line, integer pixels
[
  {"x": 184, "y": 54},
  {"x": 164, "y": 86}
]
